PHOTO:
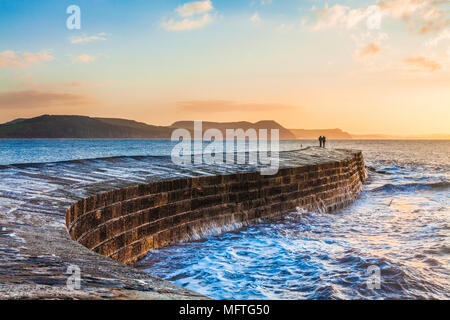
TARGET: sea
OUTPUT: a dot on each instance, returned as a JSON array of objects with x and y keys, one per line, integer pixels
[{"x": 392, "y": 243}]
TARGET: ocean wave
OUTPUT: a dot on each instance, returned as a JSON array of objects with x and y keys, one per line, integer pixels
[
  {"x": 412, "y": 186},
  {"x": 372, "y": 169}
]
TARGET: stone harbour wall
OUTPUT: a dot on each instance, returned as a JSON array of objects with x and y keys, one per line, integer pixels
[{"x": 124, "y": 224}]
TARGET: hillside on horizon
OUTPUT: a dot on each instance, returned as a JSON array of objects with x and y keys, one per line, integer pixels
[
  {"x": 81, "y": 127},
  {"x": 84, "y": 127}
]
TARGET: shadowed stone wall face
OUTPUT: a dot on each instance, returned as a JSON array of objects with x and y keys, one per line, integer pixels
[{"x": 124, "y": 224}]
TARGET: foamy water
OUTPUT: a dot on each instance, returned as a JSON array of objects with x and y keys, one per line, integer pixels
[{"x": 401, "y": 224}]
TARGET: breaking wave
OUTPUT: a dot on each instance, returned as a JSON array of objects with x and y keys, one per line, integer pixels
[{"x": 412, "y": 187}]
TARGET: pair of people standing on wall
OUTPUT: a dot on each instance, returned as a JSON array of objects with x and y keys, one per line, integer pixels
[{"x": 322, "y": 141}]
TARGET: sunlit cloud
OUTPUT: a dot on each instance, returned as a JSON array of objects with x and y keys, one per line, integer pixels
[
  {"x": 84, "y": 58},
  {"x": 442, "y": 36},
  {"x": 187, "y": 24},
  {"x": 369, "y": 46},
  {"x": 37, "y": 99},
  {"x": 338, "y": 16},
  {"x": 255, "y": 18},
  {"x": 192, "y": 8},
  {"x": 421, "y": 16},
  {"x": 369, "y": 50},
  {"x": 419, "y": 63},
  {"x": 87, "y": 39},
  {"x": 58, "y": 85},
  {"x": 403, "y": 9},
  {"x": 194, "y": 15},
  {"x": 10, "y": 59}
]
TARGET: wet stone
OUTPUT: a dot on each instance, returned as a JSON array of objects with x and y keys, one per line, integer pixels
[{"x": 125, "y": 206}]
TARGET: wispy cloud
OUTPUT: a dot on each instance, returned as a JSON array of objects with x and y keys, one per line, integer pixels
[
  {"x": 442, "y": 36},
  {"x": 79, "y": 84},
  {"x": 10, "y": 59},
  {"x": 84, "y": 58},
  {"x": 419, "y": 63},
  {"x": 422, "y": 16},
  {"x": 36, "y": 99},
  {"x": 87, "y": 39},
  {"x": 42, "y": 86},
  {"x": 369, "y": 50},
  {"x": 192, "y": 8},
  {"x": 260, "y": 2},
  {"x": 403, "y": 9},
  {"x": 255, "y": 18},
  {"x": 218, "y": 106},
  {"x": 190, "y": 19},
  {"x": 338, "y": 16},
  {"x": 187, "y": 24}
]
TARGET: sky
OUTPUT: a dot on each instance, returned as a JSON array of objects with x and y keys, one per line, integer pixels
[{"x": 378, "y": 66}]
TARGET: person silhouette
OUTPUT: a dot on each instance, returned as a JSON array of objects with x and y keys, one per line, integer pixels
[
  {"x": 320, "y": 141},
  {"x": 324, "y": 140}
]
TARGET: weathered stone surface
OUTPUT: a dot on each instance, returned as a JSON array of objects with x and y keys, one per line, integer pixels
[{"x": 123, "y": 207}]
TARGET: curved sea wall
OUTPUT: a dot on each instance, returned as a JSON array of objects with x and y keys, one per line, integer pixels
[
  {"x": 124, "y": 224},
  {"x": 123, "y": 206}
]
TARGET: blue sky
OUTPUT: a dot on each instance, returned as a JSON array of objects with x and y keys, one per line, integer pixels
[{"x": 307, "y": 63}]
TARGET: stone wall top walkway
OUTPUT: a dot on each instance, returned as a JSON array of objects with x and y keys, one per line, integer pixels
[{"x": 36, "y": 249}]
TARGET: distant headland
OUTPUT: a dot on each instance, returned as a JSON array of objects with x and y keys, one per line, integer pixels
[{"x": 84, "y": 127}]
